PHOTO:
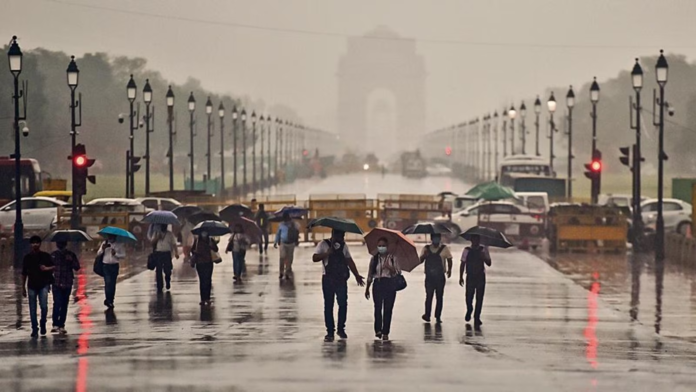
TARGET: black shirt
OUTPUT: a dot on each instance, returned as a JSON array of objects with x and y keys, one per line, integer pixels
[{"x": 30, "y": 268}]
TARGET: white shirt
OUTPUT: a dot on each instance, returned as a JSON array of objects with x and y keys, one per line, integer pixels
[
  {"x": 386, "y": 267},
  {"x": 166, "y": 244},
  {"x": 119, "y": 254},
  {"x": 324, "y": 247}
]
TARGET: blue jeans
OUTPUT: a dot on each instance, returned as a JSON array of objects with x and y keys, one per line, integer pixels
[
  {"x": 339, "y": 291},
  {"x": 42, "y": 296},
  {"x": 238, "y": 261},
  {"x": 110, "y": 276},
  {"x": 61, "y": 299}
]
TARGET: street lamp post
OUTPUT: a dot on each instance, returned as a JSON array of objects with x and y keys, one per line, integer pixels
[
  {"x": 279, "y": 148},
  {"x": 570, "y": 102},
  {"x": 504, "y": 118},
  {"x": 637, "y": 81},
  {"x": 537, "y": 111},
  {"x": 594, "y": 98},
  {"x": 269, "y": 126},
  {"x": 244, "y": 153},
  {"x": 497, "y": 142},
  {"x": 221, "y": 114},
  {"x": 14, "y": 56},
  {"x": 523, "y": 127},
  {"x": 512, "y": 113},
  {"x": 131, "y": 90},
  {"x": 170, "y": 120},
  {"x": 262, "y": 120},
  {"x": 234, "y": 150},
  {"x": 253, "y": 152},
  {"x": 209, "y": 113},
  {"x": 661, "y": 69},
  {"x": 147, "y": 97},
  {"x": 73, "y": 79},
  {"x": 551, "y": 105},
  {"x": 192, "y": 122}
]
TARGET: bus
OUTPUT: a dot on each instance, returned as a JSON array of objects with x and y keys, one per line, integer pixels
[
  {"x": 516, "y": 166},
  {"x": 30, "y": 178}
]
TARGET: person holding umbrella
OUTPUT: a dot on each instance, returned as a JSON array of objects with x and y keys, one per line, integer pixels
[
  {"x": 112, "y": 252},
  {"x": 262, "y": 219},
  {"x": 288, "y": 237},
  {"x": 202, "y": 261},
  {"x": 473, "y": 259},
  {"x": 383, "y": 268},
  {"x": 238, "y": 244},
  {"x": 65, "y": 263},
  {"x": 438, "y": 266},
  {"x": 164, "y": 248}
]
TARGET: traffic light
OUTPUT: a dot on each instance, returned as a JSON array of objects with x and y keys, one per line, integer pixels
[
  {"x": 134, "y": 164},
  {"x": 81, "y": 164},
  {"x": 448, "y": 150},
  {"x": 625, "y": 157},
  {"x": 593, "y": 171},
  {"x": 305, "y": 152}
]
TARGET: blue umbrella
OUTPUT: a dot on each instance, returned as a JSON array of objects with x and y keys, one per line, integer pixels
[
  {"x": 121, "y": 234},
  {"x": 295, "y": 212},
  {"x": 161, "y": 218}
]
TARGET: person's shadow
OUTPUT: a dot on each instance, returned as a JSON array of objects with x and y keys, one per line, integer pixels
[
  {"x": 474, "y": 338},
  {"x": 335, "y": 352},
  {"x": 110, "y": 317},
  {"x": 428, "y": 334},
  {"x": 207, "y": 313},
  {"x": 161, "y": 308}
]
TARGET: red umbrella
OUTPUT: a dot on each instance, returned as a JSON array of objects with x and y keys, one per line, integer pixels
[
  {"x": 251, "y": 229},
  {"x": 403, "y": 249}
]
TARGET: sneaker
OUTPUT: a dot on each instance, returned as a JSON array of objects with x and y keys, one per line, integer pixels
[
  {"x": 342, "y": 335},
  {"x": 385, "y": 337},
  {"x": 55, "y": 330},
  {"x": 329, "y": 338},
  {"x": 43, "y": 330},
  {"x": 468, "y": 316},
  {"x": 111, "y": 305},
  {"x": 34, "y": 333},
  {"x": 169, "y": 285},
  {"x": 62, "y": 331},
  {"x": 478, "y": 323},
  {"x": 425, "y": 318},
  {"x": 106, "y": 303},
  {"x": 378, "y": 336}
]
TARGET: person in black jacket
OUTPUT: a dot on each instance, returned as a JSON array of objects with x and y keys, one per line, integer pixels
[
  {"x": 261, "y": 219},
  {"x": 473, "y": 260},
  {"x": 37, "y": 274}
]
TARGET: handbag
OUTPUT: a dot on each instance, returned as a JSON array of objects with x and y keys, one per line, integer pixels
[
  {"x": 99, "y": 265},
  {"x": 215, "y": 256},
  {"x": 398, "y": 282},
  {"x": 151, "y": 260}
]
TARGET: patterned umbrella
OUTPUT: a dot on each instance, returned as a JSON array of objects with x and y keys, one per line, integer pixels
[{"x": 403, "y": 249}]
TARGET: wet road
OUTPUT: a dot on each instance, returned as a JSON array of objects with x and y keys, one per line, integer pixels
[{"x": 541, "y": 331}]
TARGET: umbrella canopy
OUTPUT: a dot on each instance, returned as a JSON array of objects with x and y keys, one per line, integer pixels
[
  {"x": 234, "y": 211},
  {"x": 68, "y": 236},
  {"x": 295, "y": 212},
  {"x": 121, "y": 234},
  {"x": 251, "y": 229},
  {"x": 343, "y": 224},
  {"x": 491, "y": 191},
  {"x": 489, "y": 237},
  {"x": 403, "y": 249},
  {"x": 214, "y": 228},
  {"x": 427, "y": 228},
  {"x": 183, "y": 212},
  {"x": 161, "y": 218},
  {"x": 203, "y": 216}
]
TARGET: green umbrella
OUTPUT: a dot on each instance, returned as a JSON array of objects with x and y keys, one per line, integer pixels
[
  {"x": 343, "y": 224},
  {"x": 491, "y": 191}
]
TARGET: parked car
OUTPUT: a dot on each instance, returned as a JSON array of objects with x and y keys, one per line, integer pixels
[
  {"x": 676, "y": 213},
  {"x": 498, "y": 210},
  {"x": 38, "y": 213},
  {"x": 159, "y": 203}
]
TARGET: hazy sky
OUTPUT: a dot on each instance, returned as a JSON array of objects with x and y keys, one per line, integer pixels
[{"x": 479, "y": 54}]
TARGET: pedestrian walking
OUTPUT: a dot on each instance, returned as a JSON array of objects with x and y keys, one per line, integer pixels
[
  {"x": 65, "y": 264},
  {"x": 37, "y": 277},
  {"x": 383, "y": 269},
  {"x": 261, "y": 219},
  {"x": 186, "y": 239},
  {"x": 337, "y": 264},
  {"x": 438, "y": 267},
  {"x": 473, "y": 259},
  {"x": 202, "y": 260},
  {"x": 238, "y": 244},
  {"x": 288, "y": 237},
  {"x": 112, "y": 252},
  {"x": 164, "y": 248}
]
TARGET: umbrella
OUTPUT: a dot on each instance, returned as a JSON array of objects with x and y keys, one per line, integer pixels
[
  {"x": 214, "y": 228},
  {"x": 251, "y": 229},
  {"x": 491, "y": 191},
  {"x": 121, "y": 234},
  {"x": 403, "y": 249},
  {"x": 234, "y": 211},
  {"x": 489, "y": 237},
  {"x": 161, "y": 218},
  {"x": 183, "y": 212},
  {"x": 203, "y": 216},
  {"x": 68, "y": 236},
  {"x": 427, "y": 228},
  {"x": 343, "y": 224},
  {"x": 295, "y": 212}
]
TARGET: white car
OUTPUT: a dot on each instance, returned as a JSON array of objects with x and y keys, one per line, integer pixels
[
  {"x": 158, "y": 203},
  {"x": 439, "y": 170},
  {"x": 499, "y": 210},
  {"x": 38, "y": 213},
  {"x": 676, "y": 213}
]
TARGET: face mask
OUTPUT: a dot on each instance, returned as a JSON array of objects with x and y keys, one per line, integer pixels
[{"x": 382, "y": 249}]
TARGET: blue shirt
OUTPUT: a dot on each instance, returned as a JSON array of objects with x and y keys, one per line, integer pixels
[{"x": 282, "y": 234}]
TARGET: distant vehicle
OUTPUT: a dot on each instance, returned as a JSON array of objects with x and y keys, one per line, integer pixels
[
  {"x": 499, "y": 210},
  {"x": 676, "y": 213},
  {"x": 517, "y": 166},
  {"x": 458, "y": 203},
  {"x": 60, "y": 195},
  {"x": 555, "y": 188},
  {"x": 439, "y": 170},
  {"x": 413, "y": 165},
  {"x": 535, "y": 201},
  {"x": 30, "y": 178},
  {"x": 116, "y": 205},
  {"x": 159, "y": 203},
  {"x": 38, "y": 213}
]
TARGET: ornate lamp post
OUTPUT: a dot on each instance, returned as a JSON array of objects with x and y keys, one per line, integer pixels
[
  {"x": 170, "y": 120},
  {"x": 551, "y": 105},
  {"x": 570, "y": 102},
  {"x": 192, "y": 122}
]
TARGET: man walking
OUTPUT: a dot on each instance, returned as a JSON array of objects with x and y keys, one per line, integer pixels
[
  {"x": 37, "y": 274},
  {"x": 473, "y": 260},
  {"x": 288, "y": 237},
  {"x": 65, "y": 263},
  {"x": 438, "y": 267},
  {"x": 337, "y": 263},
  {"x": 261, "y": 218}
]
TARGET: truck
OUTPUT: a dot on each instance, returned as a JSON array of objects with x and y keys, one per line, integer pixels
[
  {"x": 555, "y": 188},
  {"x": 413, "y": 165}
]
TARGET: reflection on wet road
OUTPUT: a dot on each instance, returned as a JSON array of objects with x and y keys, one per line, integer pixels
[{"x": 541, "y": 331}]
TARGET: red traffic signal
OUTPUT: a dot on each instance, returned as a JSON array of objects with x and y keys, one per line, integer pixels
[
  {"x": 305, "y": 152},
  {"x": 596, "y": 166},
  {"x": 448, "y": 150},
  {"x": 80, "y": 161}
]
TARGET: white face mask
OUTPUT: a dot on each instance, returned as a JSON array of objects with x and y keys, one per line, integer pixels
[{"x": 382, "y": 249}]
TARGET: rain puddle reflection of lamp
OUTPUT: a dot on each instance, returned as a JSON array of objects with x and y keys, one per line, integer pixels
[
  {"x": 83, "y": 316},
  {"x": 592, "y": 319}
]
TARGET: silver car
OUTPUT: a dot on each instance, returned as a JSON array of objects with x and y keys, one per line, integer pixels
[
  {"x": 676, "y": 213},
  {"x": 38, "y": 214}
]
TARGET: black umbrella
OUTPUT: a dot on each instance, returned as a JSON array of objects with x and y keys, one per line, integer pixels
[
  {"x": 427, "y": 228},
  {"x": 489, "y": 237},
  {"x": 68, "y": 236},
  {"x": 212, "y": 227},
  {"x": 183, "y": 212},
  {"x": 234, "y": 211},
  {"x": 345, "y": 225},
  {"x": 203, "y": 216}
]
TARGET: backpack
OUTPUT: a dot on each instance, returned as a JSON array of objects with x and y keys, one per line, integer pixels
[
  {"x": 336, "y": 266},
  {"x": 433, "y": 264},
  {"x": 474, "y": 262},
  {"x": 293, "y": 234}
]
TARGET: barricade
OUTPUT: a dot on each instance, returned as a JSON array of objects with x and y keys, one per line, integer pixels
[
  {"x": 588, "y": 228},
  {"x": 401, "y": 211},
  {"x": 352, "y": 206},
  {"x": 92, "y": 222},
  {"x": 273, "y": 203},
  {"x": 680, "y": 249}
]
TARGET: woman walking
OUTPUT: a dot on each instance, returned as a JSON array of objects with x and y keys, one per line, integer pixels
[
  {"x": 238, "y": 244},
  {"x": 113, "y": 252},
  {"x": 383, "y": 268},
  {"x": 202, "y": 260},
  {"x": 164, "y": 248}
]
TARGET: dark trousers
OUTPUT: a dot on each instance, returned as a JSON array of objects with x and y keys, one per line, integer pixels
[
  {"x": 205, "y": 279},
  {"x": 263, "y": 245},
  {"x": 164, "y": 267},
  {"x": 475, "y": 286},
  {"x": 238, "y": 263},
  {"x": 338, "y": 290},
  {"x": 61, "y": 299},
  {"x": 110, "y": 277},
  {"x": 434, "y": 286},
  {"x": 40, "y": 296},
  {"x": 384, "y": 297}
]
